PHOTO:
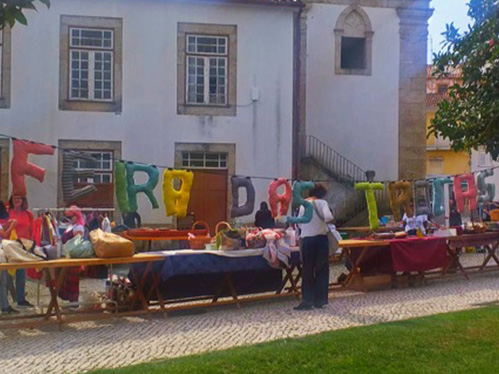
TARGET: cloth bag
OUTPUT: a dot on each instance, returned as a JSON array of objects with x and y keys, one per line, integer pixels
[
  {"x": 256, "y": 239},
  {"x": 333, "y": 236},
  {"x": 22, "y": 250},
  {"x": 78, "y": 247},
  {"x": 108, "y": 245},
  {"x": 228, "y": 240}
]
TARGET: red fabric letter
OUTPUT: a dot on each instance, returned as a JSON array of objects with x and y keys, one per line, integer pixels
[
  {"x": 21, "y": 167},
  {"x": 470, "y": 194}
]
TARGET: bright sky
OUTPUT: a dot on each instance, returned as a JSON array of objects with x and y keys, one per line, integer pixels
[{"x": 446, "y": 11}]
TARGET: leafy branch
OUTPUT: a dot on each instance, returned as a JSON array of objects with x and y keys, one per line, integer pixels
[{"x": 12, "y": 11}]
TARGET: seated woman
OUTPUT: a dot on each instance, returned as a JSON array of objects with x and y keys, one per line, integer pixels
[
  {"x": 415, "y": 223},
  {"x": 263, "y": 217}
]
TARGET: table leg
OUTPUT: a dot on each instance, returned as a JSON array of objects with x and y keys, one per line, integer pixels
[
  {"x": 355, "y": 270},
  {"x": 491, "y": 255},
  {"x": 454, "y": 260},
  {"x": 140, "y": 289},
  {"x": 289, "y": 278},
  {"x": 232, "y": 289},
  {"x": 227, "y": 282},
  {"x": 298, "y": 276},
  {"x": 155, "y": 288},
  {"x": 54, "y": 291}
]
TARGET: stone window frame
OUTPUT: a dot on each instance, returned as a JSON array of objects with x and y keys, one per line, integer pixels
[
  {"x": 116, "y": 24},
  {"x": 6, "y": 67},
  {"x": 230, "y": 31},
  {"x": 339, "y": 32},
  {"x": 228, "y": 148},
  {"x": 5, "y": 174},
  {"x": 87, "y": 145}
]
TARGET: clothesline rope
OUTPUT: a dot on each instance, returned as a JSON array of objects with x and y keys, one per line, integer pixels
[
  {"x": 217, "y": 171},
  {"x": 82, "y": 209}
]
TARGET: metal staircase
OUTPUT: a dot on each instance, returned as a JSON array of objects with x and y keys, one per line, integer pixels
[{"x": 338, "y": 168}]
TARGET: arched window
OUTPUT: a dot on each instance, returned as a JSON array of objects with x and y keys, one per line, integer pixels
[{"x": 354, "y": 37}]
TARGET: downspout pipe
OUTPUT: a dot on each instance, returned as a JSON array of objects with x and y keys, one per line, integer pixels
[{"x": 296, "y": 149}]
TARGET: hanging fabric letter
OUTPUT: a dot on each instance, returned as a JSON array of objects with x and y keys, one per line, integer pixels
[
  {"x": 120, "y": 186},
  {"x": 21, "y": 167},
  {"x": 372, "y": 208},
  {"x": 176, "y": 201},
  {"x": 469, "y": 194},
  {"x": 422, "y": 197},
  {"x": 486, "y": 191},
  {"x": 147, "y": 188},
  {"x": 437, "y": 195},
  {"x": 283, "y": 199},
  {"x": 246, "y": 209},
  {"x": 298, "y": 200},
  {"x": 400, "y": 197}
]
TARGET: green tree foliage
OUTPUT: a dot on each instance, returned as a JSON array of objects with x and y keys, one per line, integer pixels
[
  {"x": 470, "y": 116},
  {"x": 12, "y": 11}
]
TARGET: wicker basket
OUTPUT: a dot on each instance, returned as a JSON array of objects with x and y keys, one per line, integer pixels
[{"x": 199, "y": 242}]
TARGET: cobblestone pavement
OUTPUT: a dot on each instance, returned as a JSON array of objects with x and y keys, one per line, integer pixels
[{"x": 121, "y": 342}]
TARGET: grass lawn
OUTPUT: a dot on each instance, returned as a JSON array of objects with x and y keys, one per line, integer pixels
[{"x": 464, "y": 342}]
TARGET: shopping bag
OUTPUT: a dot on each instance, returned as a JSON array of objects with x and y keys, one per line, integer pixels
[
  {"x": 22, "y": 250},
  {"x": 78, "y": 247},
  {"x": 108, "y": 245},
  {"x": 333, "y": 236}
]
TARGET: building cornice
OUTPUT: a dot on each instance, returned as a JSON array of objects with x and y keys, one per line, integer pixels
[
  {"x": 273, "y": 3},
  {"x": 420, "y": 4},
  {"x": 414, "y": 16}
]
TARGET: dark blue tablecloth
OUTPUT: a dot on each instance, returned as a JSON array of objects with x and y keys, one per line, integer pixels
[
  {"x": 189, "y": 275},
  {"x": 203, "y": 263}
]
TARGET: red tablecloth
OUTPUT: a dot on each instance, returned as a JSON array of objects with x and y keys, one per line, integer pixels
[
  {"x": 418, "y": 254},
  {"x": 410, "y": 254}
]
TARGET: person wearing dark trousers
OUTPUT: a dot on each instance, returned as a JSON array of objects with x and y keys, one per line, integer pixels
[{"x": 315, "y": 252}]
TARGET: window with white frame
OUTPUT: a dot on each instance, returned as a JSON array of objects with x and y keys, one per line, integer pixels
[
  {"x": 102, "y": 167},
  {"x": 206, "y": 69},
  {"x": 212, "y": 160},
  {"x": 91, "y": 55},
  {"x": 91, "y": 64}
]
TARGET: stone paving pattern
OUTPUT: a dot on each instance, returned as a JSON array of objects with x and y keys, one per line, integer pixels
[{"x": 126, "y": 341}]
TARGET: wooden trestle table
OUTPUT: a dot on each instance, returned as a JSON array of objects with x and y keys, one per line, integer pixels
[{"x": 55, "y": 280}]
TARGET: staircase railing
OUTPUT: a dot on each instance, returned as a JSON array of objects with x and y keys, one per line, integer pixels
[
  {"x": 340, "y": 166},
  {"x": 347, "y": 172}
]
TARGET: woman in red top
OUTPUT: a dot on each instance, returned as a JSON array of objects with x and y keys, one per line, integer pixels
[
  {"x": 6, "y": 227},
  {"x": 18, "y": 211}
]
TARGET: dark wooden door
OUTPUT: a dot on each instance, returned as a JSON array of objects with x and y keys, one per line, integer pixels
[{"x": 208, "y": 199}]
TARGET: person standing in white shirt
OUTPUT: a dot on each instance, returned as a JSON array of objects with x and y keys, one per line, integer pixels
[{"x": 315, "y": 252}]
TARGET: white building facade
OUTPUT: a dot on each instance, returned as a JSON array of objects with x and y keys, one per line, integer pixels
[
  {"x": 202, "y": 84},
  {"x": 231, "y": 86},
  {"x": 365, "y": 82}
]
